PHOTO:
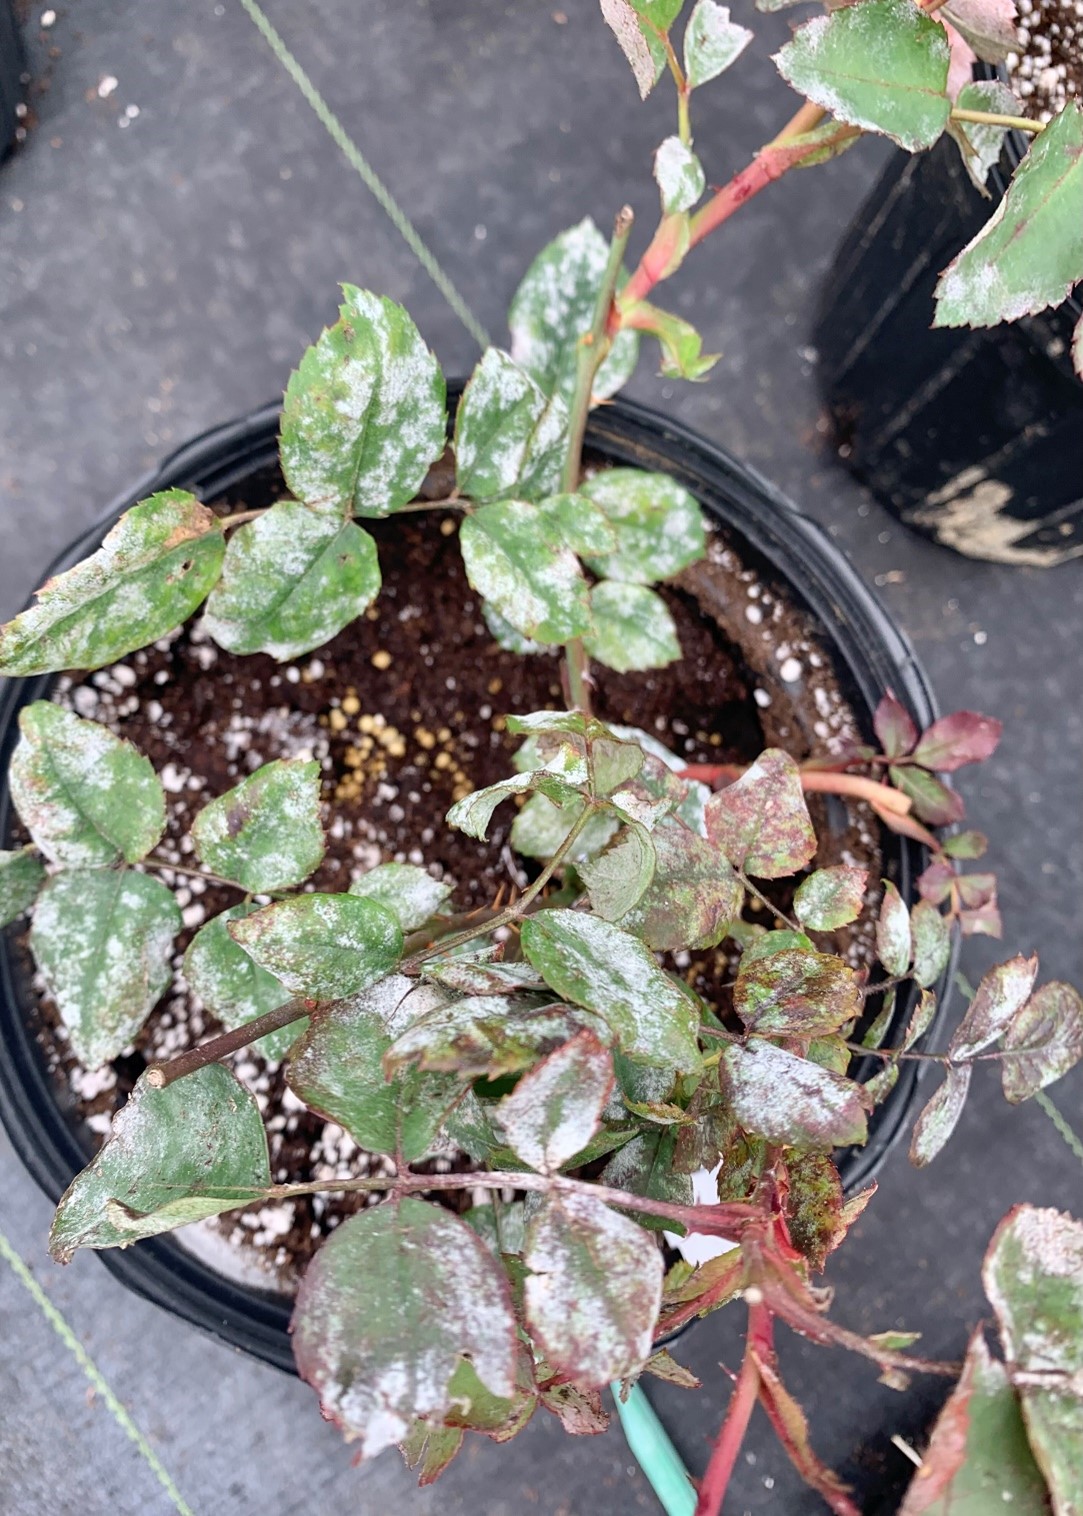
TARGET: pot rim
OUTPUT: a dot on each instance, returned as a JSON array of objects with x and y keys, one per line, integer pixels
[{"x": 868, "y": 648}]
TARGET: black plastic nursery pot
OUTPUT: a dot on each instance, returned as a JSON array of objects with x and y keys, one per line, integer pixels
[
  {"x": 869, "y": 654},
  {"x": 973, "y": 438}
]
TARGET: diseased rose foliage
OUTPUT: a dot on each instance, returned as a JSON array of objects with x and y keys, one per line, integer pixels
[{"x": 556, "y": 1041}]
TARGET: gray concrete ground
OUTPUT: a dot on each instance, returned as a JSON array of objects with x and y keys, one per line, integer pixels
[{"x": 158, "y": 277}]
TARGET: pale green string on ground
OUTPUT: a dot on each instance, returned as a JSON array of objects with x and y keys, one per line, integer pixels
[
  {"x": 1073, "y": 1142},
  {"x": 93, "y": 1374},
  {"x": 360, "y": 164}
]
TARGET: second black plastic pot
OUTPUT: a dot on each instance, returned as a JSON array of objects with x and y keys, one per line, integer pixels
[
  {"x": 868, "y": 652},
  {"x": 974, "y": 438}
]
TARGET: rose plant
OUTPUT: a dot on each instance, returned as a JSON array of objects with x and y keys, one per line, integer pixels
[{"x": 547, "y": 1039}]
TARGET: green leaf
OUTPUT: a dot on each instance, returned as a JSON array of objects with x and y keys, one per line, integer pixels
[
  {"x": 617, "y": 878},
  {"x": 593, "y": 1291},
  {"x": 175, "y": 1155},
  {"x": 814, "y": 1206},
  {"x": 265, "y": 833},
  {"x": 796, "y": 993},
  {"x": 575, "y": 521},
  {"x": 232, "y": 985},
  {"x": 1051, "y": 1023},
  {"x": 633, "y": 628},
  {"x": 594, "y": 964},
  {"x": 893, "y": 945},
  {"x": 641, "y": 51},
  {"x": 979, "y": 143},
  {"x": 541, "y": 826},
  {"x": 427, "y": 1450},
  {"x": 337, "y": 1068},
  {"x": 509, "y": 435},
  {"x": 322, "y": 946},
  {"x": 711, "y": 42},
  {"x": 473, "y": 813},
  {"x": 556, "y": 1108},
  {"x": 941, "y": 1115},
  {"x": 364, "y": 414},
  {"x": 103, "y": 941},
  {"x": 1029, "y": 254},
  {"x": 979, "y": 1459},
  {"x": 1002, "y": 993},
  {"x": 408, "y": 891},
  {"x": 87, "y": 798},
  {"x": 505, "y": 635},
  {"x": 1033, "y": 1276},
  {"x": 503, "y": 1224},
  {"x": 151, "y": 572},
  {"x": 659, "y": 525},
  {"x": 679, "y": 175},
  {"x": 761, "y": 821},
  {"x": 933, "y": 801},
  {"x": 513, "y": 559},
  {"x": 554, "y": 307},
  {"x": 831, "y": 897},
  {"x": 682, "y": 346},
  {"x": 490, "y": 1034},
  {"x": 21, "y": 877},
  {"x": 786, "y": 1099},
  {"x": 365, "y": 1332},
  {"x": 882, "y": 65},
  {"x": 292, "y": 579},
  {"x": 645, "y": 1166},
  {"x": 692, "y": 897},
  {"x": 931, "y": 934}
]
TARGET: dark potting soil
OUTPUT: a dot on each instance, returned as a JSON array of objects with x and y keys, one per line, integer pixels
[
  {"x": 405, "y": 712},
  {"x": 1046, "y": 69}
]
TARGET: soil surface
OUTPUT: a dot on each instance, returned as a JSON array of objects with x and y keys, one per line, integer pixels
[
  {"x": 405, "y": 712},
  {"x": 1046, "y": 70}
]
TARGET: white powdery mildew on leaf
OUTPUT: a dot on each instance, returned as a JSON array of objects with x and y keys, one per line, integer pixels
[
  {"x": 882, "y": 65},
  {"x": 21, "y": 877},
  {"x": 367, "y": 1333},
  {"x": 1000, "y": 995},
  {"x": 941, "y": 1115},
  {"x": 979, "y": 143},
  {"x": 322, "y": 946},
  {"x": 790, "y": 1100},
  {"x": 486, "y": 1033},
  {"x": 174, "y": 1156},
  {"x": 87, "y": 798},
  {"x": 554, "y": 306},
  {"x": 408, "y": 891},
  {"x": 623, "y": 22},
  {"x": 711, "y": 42},
  {"x": 364, "y": 414},
  {"x": 509, "y": 436},
  {"x": 512, "y": 559},
  {"x": 679, "y": 175},
  {"x": 292, "y": 579},
  {"x": 555, "y": 1109},
  {"x": 594, "y": 964},
  {"x": 265, "y": 834},
  {"x": 593, "y": 1291},
  {"x": 154, "y": 568},
  {"x": 658, "y": 525},
  {"x": 633, "y": 628},
  {"x": 103, "y": 942},
  {"x": 1029, "y": 254}
]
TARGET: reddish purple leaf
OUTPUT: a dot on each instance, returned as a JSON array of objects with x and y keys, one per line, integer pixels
[
  {"x": 1051, "y": 1024},
  {"x": 788, "y": 1420},
  {"x": 936, "y": 882},
  {"x": 761, "y": 821},
  {"x": 933, "y": 801},
  {"x": 976, "y": 890},
  {"x": 964, "y": 737},
  {"x": 939, "y": 1118},
  {"x": 1000, "y": 995},
  {"x": 895, "y": 728},
  {"x": 985, "y": 922}
]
